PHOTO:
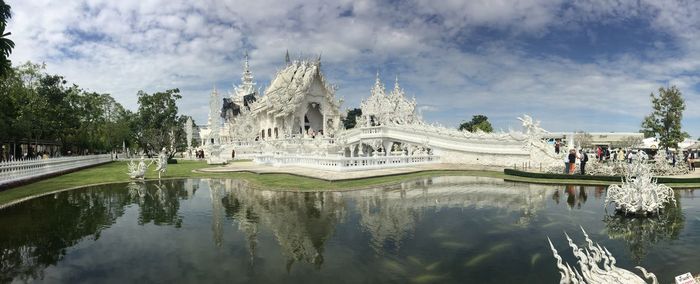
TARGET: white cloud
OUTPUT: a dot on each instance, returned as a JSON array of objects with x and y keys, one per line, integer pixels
[{"x": 120, "y": 47}]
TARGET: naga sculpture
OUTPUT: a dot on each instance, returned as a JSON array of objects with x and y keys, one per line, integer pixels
[
  {"x": 639, "y": 192},
  {"x": 590, "y": 258}
]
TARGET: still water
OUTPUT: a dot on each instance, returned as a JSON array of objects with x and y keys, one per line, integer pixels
[{"x": 440, "y": 229}]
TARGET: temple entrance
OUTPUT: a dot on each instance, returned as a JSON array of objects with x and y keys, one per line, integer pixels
[{"x": 313, "y": 118}]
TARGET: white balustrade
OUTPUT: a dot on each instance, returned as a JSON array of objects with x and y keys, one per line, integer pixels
[
  {"x": 346, "y": 163},
  {"x": 20, "y": 170}
]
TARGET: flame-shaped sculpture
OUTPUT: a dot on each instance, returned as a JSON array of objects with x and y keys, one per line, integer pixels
[
  {"x": 590, "y": 258},
  {"x": 639, "y": 193}
]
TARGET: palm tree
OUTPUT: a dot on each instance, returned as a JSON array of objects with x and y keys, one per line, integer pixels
[{"x": 6, "y": 45}]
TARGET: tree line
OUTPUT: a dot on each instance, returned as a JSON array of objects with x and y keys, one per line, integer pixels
[{"x": 37, "y": 108}]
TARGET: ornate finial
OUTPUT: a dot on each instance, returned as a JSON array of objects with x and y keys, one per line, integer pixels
[
  {"x": 377, "y": 81},
  {"x": 286, "y": 58},
  {"x": 246, "y": 66},
  {"x": 396, "y": 83}
]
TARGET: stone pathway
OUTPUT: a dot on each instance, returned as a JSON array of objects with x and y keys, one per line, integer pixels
[{"x": 339, "y": 176}]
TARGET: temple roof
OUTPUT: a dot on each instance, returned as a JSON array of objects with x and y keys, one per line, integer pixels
[
  {"x": 290, "y": 85},
  {"x": 389, "y": 108}
]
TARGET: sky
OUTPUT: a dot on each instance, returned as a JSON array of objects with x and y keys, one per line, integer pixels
[{"x": 584, "y": 65}]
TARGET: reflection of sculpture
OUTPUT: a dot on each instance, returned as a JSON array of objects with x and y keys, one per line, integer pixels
[
  {"x": 162, "y": 163},
  {"x": 138, "y": 171},
  {"x": 640, "y": 234},
  {"x": 639, "y": 192},
  {"x": 590, "y": 259}
]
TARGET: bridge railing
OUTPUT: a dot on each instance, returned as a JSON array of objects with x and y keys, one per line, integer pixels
[
  {"x": 346, "y": 163},
  {"x": 21, "y": 170}
]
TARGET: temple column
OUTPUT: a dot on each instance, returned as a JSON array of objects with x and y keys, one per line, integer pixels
[
  {"x": 387, "y": 145},
  {"x": 324, "y": 124}
]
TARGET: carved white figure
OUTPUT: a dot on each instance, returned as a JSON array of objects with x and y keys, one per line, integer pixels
[
  {"x": 639, "y": 193},
  {"x": 162, "y": 162},
  {"x": 138, "y": 171},
  {"x": 589, "y": 268},
  {"x": 188, "y": 133}
]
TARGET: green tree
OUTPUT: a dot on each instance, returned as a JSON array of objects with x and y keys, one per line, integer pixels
[
  {"x": 6, "y": 45},
  {"x": 665, "y": 120},
  {"x": 158, "y": 124},
  {"x": 478, "y": 122},
  {"x": 350, "y": 121}
]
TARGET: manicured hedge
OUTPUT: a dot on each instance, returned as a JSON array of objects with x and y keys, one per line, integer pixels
[{"x": 513, "y": 172}]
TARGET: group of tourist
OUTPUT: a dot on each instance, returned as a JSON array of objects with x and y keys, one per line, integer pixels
[
  {"x": 570, "y": 161},
  {"x": 199, "y": 154},
  {"x": 604, "y": 154}
]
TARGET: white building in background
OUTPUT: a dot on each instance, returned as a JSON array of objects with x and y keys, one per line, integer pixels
[{"x": 297, "y": 121}]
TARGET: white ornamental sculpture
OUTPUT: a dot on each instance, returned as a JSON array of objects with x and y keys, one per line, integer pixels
[
  {"x": 214, "y": 140},
  {"x": 138, "y": 171},
  {"x": 162, "y": 163},
  {"x": 393, "y": 108},
  {"x": 188, "y": 132},
  {"x": 639, "y": 193},
  {"x": 589, "y": 270},
  {"x": 541, "y": 153}
]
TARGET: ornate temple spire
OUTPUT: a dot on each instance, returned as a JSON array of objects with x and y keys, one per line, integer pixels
[
  {"x": 287, "y": 61},
  {"x": 378, "y": 88},
  {"x": 247, "y": 84},
  {"x": 247, "y": 77},
  {"x": 397, "y": 88}
]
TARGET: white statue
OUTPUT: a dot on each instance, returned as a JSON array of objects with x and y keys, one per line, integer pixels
[
  {"x": 589, "y": 268},
  {"x": 138, "y": 171},
  {"x": 162, "y": 162},
  {"x": 639, "y": 193},
  {"x": 188, "y": 132}
]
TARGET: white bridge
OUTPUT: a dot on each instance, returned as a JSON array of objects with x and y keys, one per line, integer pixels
[{"x": 389, "y": 146}]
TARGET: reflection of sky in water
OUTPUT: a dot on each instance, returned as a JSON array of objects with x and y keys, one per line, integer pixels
[{"x": 444, "y": 229}]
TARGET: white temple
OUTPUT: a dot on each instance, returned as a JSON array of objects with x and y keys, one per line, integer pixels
[{"x": 297, "y": 121}]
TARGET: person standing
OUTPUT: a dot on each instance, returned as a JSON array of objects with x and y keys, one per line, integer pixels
[
  {"x": 572, "y": 161},
  {"x": 557, "y": 145},
  {"x": 566, "y": 164},
  {"x": 584, "y": 160},
  {"x": 599, "y": 154}
]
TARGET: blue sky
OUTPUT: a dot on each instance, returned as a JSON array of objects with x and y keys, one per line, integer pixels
[{"x": 574, "y": 65}]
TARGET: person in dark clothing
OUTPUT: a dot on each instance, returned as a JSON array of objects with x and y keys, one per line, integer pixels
[
  {"x": 584, "y": 159},
  {"x": 572, "y": 161}
]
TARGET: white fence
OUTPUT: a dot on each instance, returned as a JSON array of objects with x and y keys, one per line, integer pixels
[
  {"x": 346, "y": 163},
  {"x": 20, "y": 170}
]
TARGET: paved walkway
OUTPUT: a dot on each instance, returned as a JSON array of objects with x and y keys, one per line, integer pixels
[{"x": 339, "y": 176}]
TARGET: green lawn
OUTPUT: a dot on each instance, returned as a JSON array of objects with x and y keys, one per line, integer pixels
[{"x": 116, "y": 172}]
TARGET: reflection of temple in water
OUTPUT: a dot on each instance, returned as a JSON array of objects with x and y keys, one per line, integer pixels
[
  {"x": 303, "y": 222},
  {"x": 390, "y": 214}
]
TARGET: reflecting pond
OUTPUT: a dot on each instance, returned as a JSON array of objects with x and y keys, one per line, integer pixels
[{"x": 442, "y": 229}]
